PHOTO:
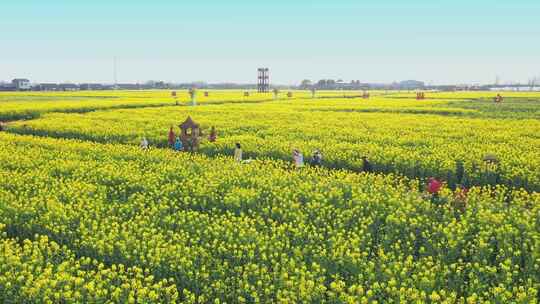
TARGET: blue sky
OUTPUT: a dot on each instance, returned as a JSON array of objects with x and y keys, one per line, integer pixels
[{"x": 439, "y": 41}]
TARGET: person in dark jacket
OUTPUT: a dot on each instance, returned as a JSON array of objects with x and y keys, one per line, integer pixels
[
  {"x": 316, "y": 158},
  {"x": 366, "y": 165}
]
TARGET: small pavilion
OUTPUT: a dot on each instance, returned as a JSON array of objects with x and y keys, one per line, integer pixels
[{"x": 190, "y": 135}]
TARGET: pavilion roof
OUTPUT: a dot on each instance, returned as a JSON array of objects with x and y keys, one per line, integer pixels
[{"x": 189, "y": 124}]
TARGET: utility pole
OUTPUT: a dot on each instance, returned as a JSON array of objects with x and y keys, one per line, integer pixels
[
  {"x": 115, "y": 73},
  {"x": 532, "y": 83}
]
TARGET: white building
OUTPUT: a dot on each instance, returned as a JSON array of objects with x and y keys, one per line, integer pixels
[{"x": 21, "y": 84}]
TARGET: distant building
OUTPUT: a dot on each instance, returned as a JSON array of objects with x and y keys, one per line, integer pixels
[
  {"x": 411, "y": 84},
  {"x": 48, "y": 87},
  {"x": 68, "y": 87},
  {"x": 7, "y": 87},
  {"x": 128, "y": 86},
  {"x": 91, "y": 86},
  {"x": 21, "y": 84}
]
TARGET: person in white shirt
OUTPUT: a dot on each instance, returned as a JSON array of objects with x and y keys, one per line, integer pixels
[
  {"x": 238, "y": 153},
  {"x": 144, "y": 143},
  {"x": 298, "y": 158}
]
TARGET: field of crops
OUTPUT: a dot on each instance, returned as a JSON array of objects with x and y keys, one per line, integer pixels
[
  {"x": 87, "y": 216},
  {"x": 24, "y": 105},
  {"x": 415, "y": 139}
]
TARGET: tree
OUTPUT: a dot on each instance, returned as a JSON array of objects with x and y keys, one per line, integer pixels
[
  {"x": 305, "y": 84},
  {"x": 330, "y": 84}
]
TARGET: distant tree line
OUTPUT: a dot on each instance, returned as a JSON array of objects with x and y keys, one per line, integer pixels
[
  {"x": 331, "y": 84},
  {"x": 306, "y": 84}
]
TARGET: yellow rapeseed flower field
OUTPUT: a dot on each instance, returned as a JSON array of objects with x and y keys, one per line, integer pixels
[
  {"x": 408, "y": 137},
  {"x": 86, "y": 216}
]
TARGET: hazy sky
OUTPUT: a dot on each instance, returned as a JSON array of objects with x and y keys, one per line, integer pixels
[{"x": 444, "y": 41}]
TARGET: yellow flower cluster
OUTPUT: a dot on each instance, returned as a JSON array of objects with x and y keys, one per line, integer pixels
[
  {"x": 90, "y": 222},
  {"x": 42, "y": 271}
]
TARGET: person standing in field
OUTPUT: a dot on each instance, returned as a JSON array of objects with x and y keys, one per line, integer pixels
[
  {"x": 366, "y": 165},
  {"x": 213, "y": 135},
  {"x": 144, "y": 143},
  {"x": 172, "y": 136},
  {"x": 298, "y": 158},
  {"x": 434, "y": 186},
  {"x": 178, "y": 145},
  {"x": 238, "y": 153},
  {"x": 316, "y": 159}
]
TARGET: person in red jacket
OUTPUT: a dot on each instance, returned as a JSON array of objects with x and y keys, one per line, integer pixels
[
  {"x": 171, "y": 137},
  {"x": 434, "y": 186}
]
